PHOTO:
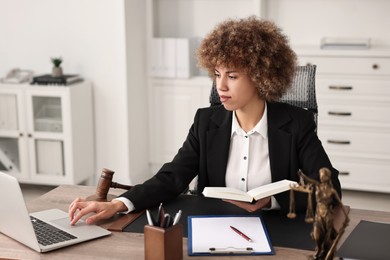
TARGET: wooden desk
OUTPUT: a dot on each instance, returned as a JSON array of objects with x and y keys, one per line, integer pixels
[{"x": 123, "y": 245}]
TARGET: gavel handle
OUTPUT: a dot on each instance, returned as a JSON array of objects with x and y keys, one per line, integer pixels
[{"x": 120, "y": 186}]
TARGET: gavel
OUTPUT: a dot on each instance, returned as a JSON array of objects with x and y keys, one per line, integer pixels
[{"x": 104, "y": 185}]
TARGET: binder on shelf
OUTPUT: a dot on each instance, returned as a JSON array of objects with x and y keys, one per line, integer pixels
[
  {"x": 185, "y": 61},
  {"x": 172, "y": 57},
  {"x": 48, "y": 79},
  {"x": 163, "y": 58},
  {"x": 156, "y": 57},
  {"x": 169, "y": 58}
]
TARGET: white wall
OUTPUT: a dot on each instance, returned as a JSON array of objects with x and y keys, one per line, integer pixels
[
  {"x": 90, "y": 36},
  {"x": 138, "y": 127}
]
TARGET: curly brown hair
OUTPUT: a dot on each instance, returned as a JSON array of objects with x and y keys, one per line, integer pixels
[{"x": 256, "y": 46}]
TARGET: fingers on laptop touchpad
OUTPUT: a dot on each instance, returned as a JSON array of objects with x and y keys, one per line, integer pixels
[{"x": 65, "y": 223}]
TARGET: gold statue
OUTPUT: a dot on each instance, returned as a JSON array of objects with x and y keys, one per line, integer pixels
[{"x": 324, "y": 234}]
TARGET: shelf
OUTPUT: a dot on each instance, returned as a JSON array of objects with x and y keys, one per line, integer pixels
[
  {"x": 381, "y": 51},
  {"x": 195, "y": 18},
  {"x": 193, "y": 81}
]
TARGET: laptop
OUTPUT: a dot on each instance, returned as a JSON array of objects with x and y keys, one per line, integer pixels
[{"x": 36, "y": 230}]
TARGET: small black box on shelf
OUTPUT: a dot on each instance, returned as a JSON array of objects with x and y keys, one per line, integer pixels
[{"x": 48, "y": 79}]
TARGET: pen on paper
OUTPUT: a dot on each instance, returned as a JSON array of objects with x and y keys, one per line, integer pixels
[{"x": 241, "y": 234}]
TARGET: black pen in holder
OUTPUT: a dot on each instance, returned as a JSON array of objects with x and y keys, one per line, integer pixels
[{"x": 163, "y": 243}]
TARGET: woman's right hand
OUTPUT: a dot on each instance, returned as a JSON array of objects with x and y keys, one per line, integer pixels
[{"x": 103, "y": 210}]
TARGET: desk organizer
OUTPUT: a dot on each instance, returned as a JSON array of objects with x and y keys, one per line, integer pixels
[{"x": 163, "y": 244}]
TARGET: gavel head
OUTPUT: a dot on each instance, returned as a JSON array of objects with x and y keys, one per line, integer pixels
[{"x": 104, "y": 184}]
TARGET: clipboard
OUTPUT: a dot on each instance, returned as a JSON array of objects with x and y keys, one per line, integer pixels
[{"x": 213, "y": 235}]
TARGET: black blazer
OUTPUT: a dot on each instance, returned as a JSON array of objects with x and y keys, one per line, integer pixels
[{"x": 292, "y": 141}]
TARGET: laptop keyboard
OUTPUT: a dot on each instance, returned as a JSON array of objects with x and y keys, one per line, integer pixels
[{"x": 48, "y": 234}]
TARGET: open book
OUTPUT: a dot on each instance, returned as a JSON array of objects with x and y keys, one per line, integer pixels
[{"x": 254, "y": 194}]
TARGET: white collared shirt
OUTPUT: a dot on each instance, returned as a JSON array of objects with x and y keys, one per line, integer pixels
[{"x": 248, "y": 164}]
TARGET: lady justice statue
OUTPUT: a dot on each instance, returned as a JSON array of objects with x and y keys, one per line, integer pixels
[{"x": 324, "y": 234}]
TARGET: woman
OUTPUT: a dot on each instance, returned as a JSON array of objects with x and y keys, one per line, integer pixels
[{"x": 249, "y": 140}]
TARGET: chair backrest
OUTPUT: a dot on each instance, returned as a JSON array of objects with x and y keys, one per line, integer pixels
[{"x": 301, "y": 94}]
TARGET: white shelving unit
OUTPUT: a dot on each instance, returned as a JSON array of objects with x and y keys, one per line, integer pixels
[
  {"x": 46, "y": 133},
  {"x": 353, "y": 91},
  {"x": 364, "y": 159}
]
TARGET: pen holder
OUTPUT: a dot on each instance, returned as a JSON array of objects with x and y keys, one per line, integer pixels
[{"x": 163, "y": 243}]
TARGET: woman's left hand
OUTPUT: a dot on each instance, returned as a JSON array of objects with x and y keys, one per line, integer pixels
[{"x": 252, "y": 207}]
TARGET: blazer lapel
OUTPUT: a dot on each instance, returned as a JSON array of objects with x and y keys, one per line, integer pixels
[
  {"x": 279, "y": 142},
  {"x": 218, "y": 144}
]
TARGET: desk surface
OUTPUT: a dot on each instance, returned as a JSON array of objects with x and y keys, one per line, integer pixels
[{"x": 122, "y": 245}]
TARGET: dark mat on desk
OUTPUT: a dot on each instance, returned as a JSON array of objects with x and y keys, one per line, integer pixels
[
  {"x": 284, "y": 232},
  {"x": 368, "y": 240}
]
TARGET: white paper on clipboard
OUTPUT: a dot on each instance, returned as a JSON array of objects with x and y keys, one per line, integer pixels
[{"x": 212, "y": 234}]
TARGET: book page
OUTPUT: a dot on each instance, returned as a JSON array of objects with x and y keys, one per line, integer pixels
[
  {"x": 270, "y": 189},
  {"x": 226, "y": 193},
  {"x": 207, "y": 232}
]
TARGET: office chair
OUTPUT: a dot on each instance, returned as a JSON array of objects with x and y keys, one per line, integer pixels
[{"x": 301, "y": 94}]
